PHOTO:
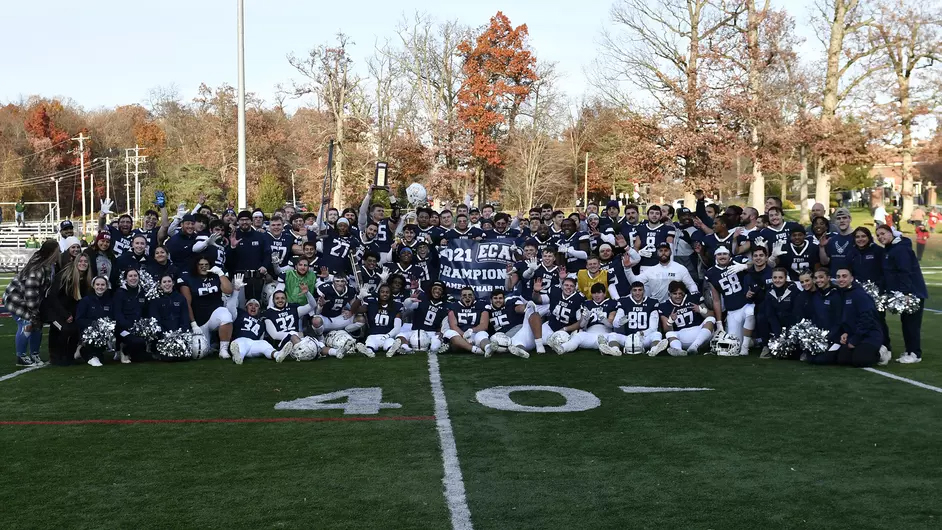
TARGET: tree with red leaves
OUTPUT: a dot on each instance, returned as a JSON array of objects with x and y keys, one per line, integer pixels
[{"x": 499, "y": 73}]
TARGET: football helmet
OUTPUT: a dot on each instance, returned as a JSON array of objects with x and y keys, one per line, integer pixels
[
  {"x": 500, "y": 342},
  {"x": 724, "y": 345},
  {"x": 420, "y": 341},
  {"x": 306, "y": 350},
  {"x": 199, "y": 346},
  {"x": 341, "y": 340},
  {"x": 634, "y": 344},
  {"x": 557, "y": 340}
]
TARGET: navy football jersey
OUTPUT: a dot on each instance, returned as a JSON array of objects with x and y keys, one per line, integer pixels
[
  {"x": 335, "y": 253},
  {"x": 638, "y": 314},
  {"x": 246, "y": 326},
  {"x": 773, "y": 236},
  {"x": 686, "y": 315},
  {"x": 119, "y": 243},
  {"x": 759, "y": 282},
  {"x": 362, "y": 247},
  {"x": 575, "y": 241},
  {"x": 596, "y": 314},
  {"x": 510, "y": 234},
  {"x": 205, "y": 294},
  {"x": 410, "y": 273},
  {"x": 151, "y": 236},
  {"x": 430, "y": 315},
  {"x": 652, "y": 237},
  {"x": 564, "y": 311},
  {"x": 304, "y": 237},
  {"x": 431, "y": 234},
  {"x": 541, "y": 244},
  {"x": 368, "y": 278},
  {"x": 335, "y": 301},
  {"x": 285, "y": 319},
  {"x": 467, "y": 316},
  {"x": 381, "y": 318},
  {"x": 281, "y": 245},
  {"x": 711, "y": 242},
  {"x": 550, "y": 278},
  {"x": 798, "y": 260},
  {"x": 472, "y": 232},
  {"x": 731, "y": 286},
  {"x": 506, "y": 318}
]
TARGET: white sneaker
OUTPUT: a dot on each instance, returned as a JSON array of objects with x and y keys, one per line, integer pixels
[
  {"x": 224, "y": 354},
  {"x": 662, "y": 345},
  {"x": 477, "y": 350},
  {"x": 674, "y": 352},
  {"x": 237, "y": 356},
  {"x": 693, "y": 349},
  {"x": 284, "y": 352},
  {"x": 125, "y": 359},
  {"x": 910, "y": 358},
  {"x": 902, "y": 356},
  {"x": 394, "y": 349},
  {"x": 518, "y": 351},
  {"x": 362, "y": 349},
  {"x": 94, "y": 362},
  {"x": 488, "y": 350},
  {"x": 885, "y": 356}
]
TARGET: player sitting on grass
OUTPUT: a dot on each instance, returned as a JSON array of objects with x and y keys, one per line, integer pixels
[
  {"x": 563, "y": 319},
  {"x": 636, "y": 324},
  {"x": 596, "y": 322},
  {"x": 284, "y": 322},
  {"x": 464, "y": 316},
  {"x": 424, "y": 334},
  {"x": 682, "y": 315},
  {"x": 504, "y": 319},
  {"x": 383, "y": 320},
  {"x": 247, "y": 334}
]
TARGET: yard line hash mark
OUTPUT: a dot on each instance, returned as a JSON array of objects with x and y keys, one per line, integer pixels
[
  {"x": 21, "y": 372},
  {"x": 217, "y": 420},
  {"x": 453, "y": 481},
  {"x": 905, "y": 380}
]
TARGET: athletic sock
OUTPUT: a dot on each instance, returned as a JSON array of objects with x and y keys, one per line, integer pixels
[
  {"x": 539, "y": 346},
  {"x": 224, "y": 346},
  {"x": 676, "y": 344},
  {"x": 746, "y": 343}
]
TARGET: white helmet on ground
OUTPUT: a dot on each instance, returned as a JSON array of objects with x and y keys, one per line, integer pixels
[
  {"x": 199, "y": 346},
  {"x": 416, "y": 194},
  {"x": 420, "y": 341},
  {"x": 307, "y": 349},
  {"x": 341, "y": 340},
  {"x": 557, "y": 339},
  {"x": 724, "y": 345},
  {"x": 634, "y": 344}
]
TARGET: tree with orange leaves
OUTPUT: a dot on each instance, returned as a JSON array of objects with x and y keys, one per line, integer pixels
[{"x": 499, "y": 73}]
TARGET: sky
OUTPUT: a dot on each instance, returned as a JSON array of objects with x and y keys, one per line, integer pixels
[{"x": 106, "y": 53}]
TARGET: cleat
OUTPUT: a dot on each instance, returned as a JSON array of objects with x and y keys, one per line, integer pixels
[
  {"x": 661, "y": 346},
  {"x": 224, "y": 354},
  {"x": 394, "y": 349},
  {"x": 674, "y": 352},
  {"x": 488, "y": 351},
  {"x": 94, "y": 362},
  {"x": 477, "y": 350},
  {"x": 362, "y": 349},
  {"x": 518, "y": 351},
  {"x": 606, "y": 349},
  {"x": 284, "y": 352},
  {"x": 237, "y": 356}
]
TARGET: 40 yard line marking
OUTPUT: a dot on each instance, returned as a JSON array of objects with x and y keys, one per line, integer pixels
[{"x": 453, "y": 481}]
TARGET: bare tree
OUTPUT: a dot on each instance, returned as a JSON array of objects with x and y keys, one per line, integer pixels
[{"x": 393, "y": 99}]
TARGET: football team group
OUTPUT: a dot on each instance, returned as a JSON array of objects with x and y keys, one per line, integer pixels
[{"x": 623, "y": 279}]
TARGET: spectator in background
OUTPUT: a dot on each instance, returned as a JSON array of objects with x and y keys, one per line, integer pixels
[
  {"x": 897, "y": 217},
  {"x": 20, "y": 210},
  {"x": 918, "y": 217},
  {"x": 32, "y": 242},
  {"x": 922, "y": 237},
  {"x": 879, "y": 215},
  {"x": 23, "y": 298},
  {"x": 934, "y": 217}
]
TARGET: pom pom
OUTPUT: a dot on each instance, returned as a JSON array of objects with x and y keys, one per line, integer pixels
[
  {"x": 874, "y": 291},
  {"x": 150, "y": 288},
  {"x": 174, "y": 346},
  {"x": 897, "y": 302},
  {"x": 781, "y": 347},
  {"x": 100, "y": 334},
  {"x": 803, "y": 337},
  {"x": 146, "y": 328}
]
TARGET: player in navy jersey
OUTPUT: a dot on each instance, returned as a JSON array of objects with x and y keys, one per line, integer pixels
[
  {"x": 611, "y": 219},
  {"x": 635, "y": 314},
  {"x": 574, "y": 245},
  {"x": 463, "y": 316},
  {"x": 543, "y": 239},
  {"x": 652, "y": 234},
  {"x": 426, "y": 231},
  {"x": 385, "y": 226},
  {"x": 278, "y": 243},
  {"x": 404, "y": 266},
  {"x": 370, "y": 274},
  {"x": 836, "y": 250},
  {"x": 383, "y": 322},
  {"x": 154, "y": 232},
  {"x": 520, "y": 274},
  {"x": 334, "y": 306},
  {"x": 284, "y": 325},
  {"x": 685, "y": 318},
  {"x": 501, "y": 319},
  {"x": 729, "y": 284},
  {"x": 595, "y": 323},
  {"x": 335, "y": 249},
  {"x": 430, "y": 316},
  {"x": 778, "y": 231},
  {"x": 564, "y": 311},
  {"x": 366, "y": 243},
  {"x": 120, "y": 236},
  {"x": 300, "y": 235},
  {"x": 799, "y": 255},
  {"x": 203, "y": 287},
  {"x": 502, "y": 230},
  {"x": 721, "y": 237},
  {"x": 462, "y": 230},
  {"x": 248, "y": 335}
]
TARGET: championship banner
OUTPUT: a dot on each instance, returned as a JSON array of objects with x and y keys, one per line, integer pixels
[{"x": 482, "y": 265}]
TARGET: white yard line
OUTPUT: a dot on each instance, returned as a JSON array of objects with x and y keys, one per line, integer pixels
[
  {"x": 454, "y": 483},
  {"x": 21, "y": 372},
  {"x": 905, "y": 380}
]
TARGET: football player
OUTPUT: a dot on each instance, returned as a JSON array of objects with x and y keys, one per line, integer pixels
[
  {"x": 463, "y": 317},
  {"x": 729, "y": 285},
  {"x": 247, "y": 333},
  {"x": 651, "y": 235},
  {"x": 635, "y": 313},
  {"x": 384, "y": 321},
  {"x": 203, "y": 288},
  {"x": 596, "y": 322},
  {"x": 566, "y": 314},
  {"x": 685, "y": 318},
  {"x": 284, "y": 322},
  {"x": 503, "y": 317},
  {"x": 430, "y": 316},
  {"x": 333, "y": 303}
]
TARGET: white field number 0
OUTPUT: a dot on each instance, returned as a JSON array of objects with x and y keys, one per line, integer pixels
[{"x": 360, "y": 401}]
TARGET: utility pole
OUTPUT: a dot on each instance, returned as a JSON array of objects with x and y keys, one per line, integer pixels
[
  {"x": 108, "y": 179},
  {"x": 241, "y": 116},
  {"x": 127, "y": 179},
  {"x": 137, "y": 161},
  {"x": 294, "y": 198},
  {"x": 58, "y": 217},
  {"x": 81, "y": 140},
  {"x": 585, "y": 183},
  {"x": 91, "y": 194}
]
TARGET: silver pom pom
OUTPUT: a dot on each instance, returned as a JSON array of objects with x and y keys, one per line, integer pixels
[
  {"x": 100, "y": 334},
  {"x": 174, "y": 346},
  {"x": 803, "y": 337},
  {"x": 146, "y": 328},
  {"x": 874, "y": 291},
  {"x": 897, "y": 302}
]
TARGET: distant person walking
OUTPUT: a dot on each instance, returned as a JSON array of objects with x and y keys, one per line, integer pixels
[
  {"x": 922, "y": 237},
  {"x": 20, "y": 209},
  {"x": 879, "y": 216}
]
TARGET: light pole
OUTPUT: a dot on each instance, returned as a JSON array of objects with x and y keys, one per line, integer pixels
[
  {"x": 58, "y": 211},
  {"x": 241, "y": 111}
]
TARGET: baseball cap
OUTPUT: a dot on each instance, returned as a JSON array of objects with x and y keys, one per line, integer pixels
[
  {"x": 343, "y": 221},
  {"x": 258, "y": 213},
  {"x": 593, "y": 215},
  {"x": 683, "y": 211},
  {"x": 65, "y": 225},
  {"x": 612, "y": 204},
  {"x": 104, "y": 234},
  {"x": 187, "y": 218},
  {"x": 244, "y": 214},
  {"x": 841, "y": 212},
  {"x": 664, "y": 244}
]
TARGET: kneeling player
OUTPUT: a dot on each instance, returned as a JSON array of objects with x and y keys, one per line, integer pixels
[
  {"x": 334, "y": 311},
  {"x": 283, "y": 323},
  {"x": 425, "y": 331},
  {"x": 247, "y": 339},
  {"x": 728, "y": 282},
  {"x": 682, "y": 315},
  {"x": 503, "y": 319},
  {"x": 563, "y": 319},
  {"x": 636, "y": 316},
  {"x": 596, "y": 321},
  {"x": 384, "y": 321},
  {"x": 463, "y": 317}
]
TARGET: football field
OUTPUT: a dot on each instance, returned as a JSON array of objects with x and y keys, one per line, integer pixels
[{"x": 630, "y": 442}]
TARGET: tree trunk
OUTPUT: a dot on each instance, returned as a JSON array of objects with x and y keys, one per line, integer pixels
[
  {"x": 822, "y": 184},
  {"x": 803, "y": 185},
  {"x": 752, "y": 49},
  {"x": 906, "y": 123},
  {"x": 337, "y": 196}
]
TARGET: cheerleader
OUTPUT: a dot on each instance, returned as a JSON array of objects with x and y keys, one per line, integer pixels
[
  {"x": 137, "y": 258},
  {"x": 825, "y": 305},
  {"x": 69, "y": 285},
  {"x": 160, "y": 264},
  {"x": 860, "y": 339},
  {"x": 102, "y": 258},
  {"x": 97, "y": 304},
  {"x": 203, "y": 288},
  {"x": 129, "y": 308},
  {"x": 901, "y": 272},
  {"x": 170, "y": 309},
  {"x": 780, "y": 306},
  {"x": 867, "y": 261},
  {"x": 384, "y": 322},
  {"x": 247, "y": 332}
]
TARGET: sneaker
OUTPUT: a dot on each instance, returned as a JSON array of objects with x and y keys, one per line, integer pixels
[
  {"x": 94, "y": 362},
  {"x": 25, "y": 361},
  {"x": 885, "y": 356},
  {"x": 910, "y": 358},
  {"x": 477, "y": 350},
  {"x": 518, "y": 351},
  {"x": 284, "y": 352},
  {"x": 662, "y": 345},
  {"x": 674, "y": 352},
  {"x": 224, "y": 354},
  {"x": 125, "y": 359},
  {"x": 902, "y": 356},
  {"x": 394, "y": 349},
  {"x": 363, "y": 350},
  {"x": 237, "y": 356},
  {"x": 37, "y": 360},
  {"x": 766, "y": 353},
  {"x": 803, "y": 358},
  {"x": 540, "y": 347},
  {"x": 488, "y": 350}
]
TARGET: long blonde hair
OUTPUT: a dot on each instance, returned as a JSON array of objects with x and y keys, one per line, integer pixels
[{"x": 73, "y": 278}]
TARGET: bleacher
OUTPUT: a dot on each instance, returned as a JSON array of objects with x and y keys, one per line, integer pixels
[{"x": 12, "y": 236}]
